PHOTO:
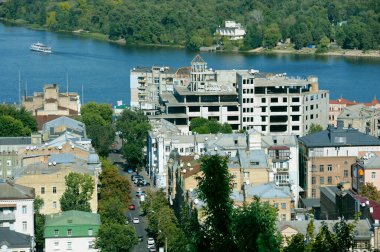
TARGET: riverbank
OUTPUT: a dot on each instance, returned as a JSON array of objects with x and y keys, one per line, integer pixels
[
  {"x": 277, "y": 50},
  {"x": 313, "y": 51}
]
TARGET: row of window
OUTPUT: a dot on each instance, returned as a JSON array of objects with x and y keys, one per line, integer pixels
[
  {"x": 9, "y": 163},
  {"x": 322, "y": 180},
  {"x": 311, "y": 107},
  {"x": 283, "y": 205},
  {"x": 247, "y": 100},
  {"x": 54, "y": 190},
  {"x": 312, "y": 116},
  {"x": 90, "y": 232},
  {"x": 329, "y": 169},
  {"x": 69, "y": 246}
]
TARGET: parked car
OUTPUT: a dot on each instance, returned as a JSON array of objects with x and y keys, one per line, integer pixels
[
  {"x": 132, "y": 207},
  {"x": 142, "y": 183},
  {"x": 135, "y": 176},
  {"x": 136, "y": 220},
  {"x": 150, "y": 241},
  {"x": 153, "y": 246}
]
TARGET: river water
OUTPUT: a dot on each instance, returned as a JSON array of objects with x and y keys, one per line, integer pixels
[{"x": 103, "y": 68}]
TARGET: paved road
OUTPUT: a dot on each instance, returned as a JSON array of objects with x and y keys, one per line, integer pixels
[{"x": 142, "y": 226}]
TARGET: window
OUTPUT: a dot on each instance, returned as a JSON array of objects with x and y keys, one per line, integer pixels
[
  {"x": 329, "y": 180},
  {"x": 69, "y": 246},
  {"x": 56, "y": 232},
  {"x": 313, "y": 180},
  {"x": 9, "y": 163},
  {"x": 69, "y": 232},
  {"x": 56, "y": 245},
  {"x": 275, "y": 205},
  {"x": 313, "y": 193},
  {"x": 295, "y": 99},
  {"x": 42, "y": 190},
  {"x": 321, "y": 168},
  {"x": 329, "y": 167},
  {"x": 373, "y": 175},
  {"x": 54, "y": 189},
  {"x": 24, "y": 226},
  {"x": 295, "y": 127},
  {"x": 24, "y": 211},
  {"x": 167, "y": 148},
  {"x": 263, "y": 109},
  {"x": 263, "y": 100},
  {"x": 90, "y": 232},
  {"x": 274, "y": 100},
  {"x": 345, "y": 173},
  {"x": 322, "y": 180},
  {"x": 90, "y": 244},
  {"x": 285, "y": 99},
  {"x": 283, "y": 205},
  {"x": 283, "y": 217},
  {"x": 54, "y": 204}
]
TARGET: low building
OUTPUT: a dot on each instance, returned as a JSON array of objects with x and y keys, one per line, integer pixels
[
  {"x": 56, "y": 127},
  {"x": 71, "y": 231},
  {"x": 278, "y": 197},
  {"x": 11, "y": 241},
  {"x": 363, "y": 235},
  {"x": 232, "y": 30},
  {"x": 50, "y": 104},
  {"x": 16, "y": 207}
]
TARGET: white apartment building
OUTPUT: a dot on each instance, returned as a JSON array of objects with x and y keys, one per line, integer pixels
[
  {"x": 231, "y": 29},
  {"x": 16, "y": 207},
  {"x": 147, "y": 83},
  {"x": 246, "y": 99}
]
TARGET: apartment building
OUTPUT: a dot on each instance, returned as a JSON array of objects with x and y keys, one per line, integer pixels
[
  {"x": 246, "y": 99},
  {"x": 326, "y": 157},
  {"x": 147, "y": 83}
]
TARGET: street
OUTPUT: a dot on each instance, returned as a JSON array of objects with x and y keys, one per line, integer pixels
[{"x": 143, "y": 225}]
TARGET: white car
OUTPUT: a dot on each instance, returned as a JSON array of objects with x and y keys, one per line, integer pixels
[
  {"x": 150, "y": 241},
  {"x": 136, "y": 220}
]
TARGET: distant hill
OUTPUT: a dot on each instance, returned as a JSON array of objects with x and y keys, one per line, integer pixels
[{"x": 192, "y": 23}]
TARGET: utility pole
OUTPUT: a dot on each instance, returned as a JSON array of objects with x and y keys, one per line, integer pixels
[
  {"x": 166, "y": 244},
  {"x": 19, "y": 86}
]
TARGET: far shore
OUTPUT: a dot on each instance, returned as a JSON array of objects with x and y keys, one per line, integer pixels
[{"x": 260, "y": 50}]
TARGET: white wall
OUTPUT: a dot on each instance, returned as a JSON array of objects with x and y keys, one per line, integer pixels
[
  {"x": 78, "y": 244},
  {"x": 22, "y": 217}
]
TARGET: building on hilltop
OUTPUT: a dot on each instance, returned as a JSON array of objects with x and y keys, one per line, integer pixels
[
  {"x": 16, "y": 207},
  {"x": 326, "y": 157},
  {"x": 50, "y": 104},
  {"x": 232, "y": 30},
  {"x": 71, "y": 231},
  {"x": 246, "y": 99}
]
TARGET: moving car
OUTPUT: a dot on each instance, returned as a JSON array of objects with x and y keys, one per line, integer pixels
[
  {"x": 132, "y": 207},
  {"x": 136, "y": 220}
]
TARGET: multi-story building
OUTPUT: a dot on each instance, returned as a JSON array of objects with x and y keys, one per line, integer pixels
[
  {"x": 326, "y": 157},
  {"x": 246, "y": 99},
  {"x": 147, "y": 83},
  {"x": 362, "y": 117},
  {"x": 16, "y": 207},
  {"x": 71, "y": 231},
  {"x": 51, "y": 104},
  {"x": 232, "y": 30}
]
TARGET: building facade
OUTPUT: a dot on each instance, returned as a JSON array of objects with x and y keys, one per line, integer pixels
[
  {"x": 232, "y": 30},
  {"x": 71, "y": 231}
]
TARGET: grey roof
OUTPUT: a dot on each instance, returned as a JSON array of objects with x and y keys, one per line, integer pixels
[
  {"x": 281, "y": 140},
  {"x": 252, "y": 159},
  {"x": 310, "y": 202},
  {"x": 373, "y": 163},
  {"x": 15, "y": 140},
  {"x": 75, "y": 125},
  {"x": 14, "y": 191},
  {"x": 162, "y": 126},
  {"x": 358, "y": 111},
  {"x": 227, "y": 141},
  {"x": 329, "y": 192},
  {"x": 362, "y": 228},
  {"x": 14, "y": 239},
  {"x": 63, "y": 158},
  {"x": 268, "y": 191},
  {"x": 167, "y": 70},
  {"x": 93, "y": 158},
  {"x": 335, "y": 136},
  {"x": 237, "y": 196}
]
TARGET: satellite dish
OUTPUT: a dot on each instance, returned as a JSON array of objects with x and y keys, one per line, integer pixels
[
  {"x": 54, "y": 163},
  {"x": 196, "y": 201}
]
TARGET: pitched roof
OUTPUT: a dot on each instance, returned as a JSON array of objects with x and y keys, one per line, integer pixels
[
  {"x": 75, "y": 125},
  {"x": 373, "y": 162},
  {"x": 14, "y": 239},
  {"x": 343, "y": 101},
  {"x": 198, "y": 59},
  {"x": 339, "y": 137},
  {"x": 14, "y": 191},
  {"x": 252, "y": 159},
  {"x": 72, "y": 218},
  {"x": 62, "y": 158},
  {"x": 375, "y": 206},
  {"x": 268, "y": 191}
]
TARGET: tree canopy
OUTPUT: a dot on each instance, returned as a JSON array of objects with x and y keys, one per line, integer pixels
[
  {"x": 353, "y": 24},
  {"x": 78, "y": 193},
  {"x": 16, "y": 121},
  {"x": 370, "y": 191},
  {"x": 204, "y": 126},
  {"x": 314, "y": 128}
]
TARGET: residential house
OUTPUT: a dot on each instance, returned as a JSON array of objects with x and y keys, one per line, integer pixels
[
  {"x": 50, "y": 104},
  {"x": 16, "y": 207},
  {"x": 363, "y": 235},
  {"x": 71, "y": 231},
  {"x": 232, "y": 30},
  {"x": 12, "y": 241},
  {"x": 278, "y": 197},
  {"x": 326, "y": 157}
]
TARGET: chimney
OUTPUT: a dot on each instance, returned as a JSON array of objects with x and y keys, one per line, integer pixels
[{"x": 371, "y": 209}]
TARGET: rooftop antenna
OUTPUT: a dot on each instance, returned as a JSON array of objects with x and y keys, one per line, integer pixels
[{"x": 67, "y": 82}]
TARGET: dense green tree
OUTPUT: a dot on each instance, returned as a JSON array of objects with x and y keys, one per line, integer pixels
[
  {"x": 16, "y": 121},
  {"x": 204, "y": 126},
  {"x": 296, "y": 244},
  {"x": 78, "y": 193},
  {"x": 272, "y": 35},
  {"x": 254, "y": 227},
  {"x": 214, "y": 189},
  {"x": 104, "y": 110},
  {"x": 39, "y": 224},
  {"x": 11, "y": 127},
  {"x": 134, "y": 127},
  {"x": 114, "y": 237},
  {"x": 111, "y": 210},
  {"x": 370, "y": 191},
  {"x": 314, "y": 128}
]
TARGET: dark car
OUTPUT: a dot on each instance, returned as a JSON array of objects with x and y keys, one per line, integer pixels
[
  {"x": 132, "y": 207},
  {"x": 140, "y": 238}
]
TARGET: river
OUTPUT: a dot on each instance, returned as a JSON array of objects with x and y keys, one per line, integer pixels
[{"x": 103, "y": 68}]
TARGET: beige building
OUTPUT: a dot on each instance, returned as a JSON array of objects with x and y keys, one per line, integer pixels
[
  {"x": 48, "y": 182},
  {"x": 51, "y": 104}
]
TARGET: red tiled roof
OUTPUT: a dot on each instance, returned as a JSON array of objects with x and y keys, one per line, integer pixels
[
  {"x": 372, "y": 103},
  {"x": 376, "y": 206},
  {"x": 343, "y": 101}
]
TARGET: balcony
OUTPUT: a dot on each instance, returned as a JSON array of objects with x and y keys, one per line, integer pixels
[
  {"x": 141, "y": 87},
  {"x": 7, "y": 216},
  {"x": 141, "y": 81}
]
